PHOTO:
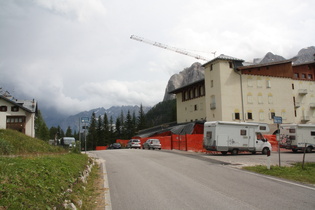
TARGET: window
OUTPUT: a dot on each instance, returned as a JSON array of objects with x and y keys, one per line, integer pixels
[
  {"x": 260, "y": 98},
  {"x": 249, "y": 115},
  {"x": 237, "y": 116},
  {"x": 249, "y": 82},
  {"x": 196, "y": 107},
  {"x": 303, "y": 76},
  {"x": 259, "y": 83},
  {"x": 211, "y": 67},
  {"x": 272, "y": 115},
  {"x": 312, "y": 133},
  {"x": 292, "y": 86},
  {"x": 209, "y": 134},
  {"x": 262, "y": 128},
  {"x": 3, "y": 108},
  {"x": 309, "y": 76},
  {"x": 292, "y": 130},
  {"x": 243, "y": 132},
  {"x": 261, "y": 115},
  {"x": 249, "y": 98},
  {"x": 14, "y": 108},
  {"x": 231, "y": 65},
  {"x": 296, "y": 75},
  {"x": 211, "y": 83},
  {"x": 268, "y": 83},
  {"x": 196, "y": 92}
]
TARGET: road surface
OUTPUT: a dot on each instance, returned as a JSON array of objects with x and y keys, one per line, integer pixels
[{"x": 147, "y": 179}]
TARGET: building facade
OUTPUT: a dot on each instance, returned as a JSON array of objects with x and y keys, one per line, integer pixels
[
  {"x": 18, "y": 115},
  {"x": 231, "y": 91}
]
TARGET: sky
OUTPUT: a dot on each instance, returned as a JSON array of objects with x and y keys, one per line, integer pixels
[{"x": 77, "y": 55}]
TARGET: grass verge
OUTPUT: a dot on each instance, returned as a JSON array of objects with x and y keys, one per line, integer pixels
[
  {"x": 38, "y": 182},
  {"x": 295, "y": 172}
]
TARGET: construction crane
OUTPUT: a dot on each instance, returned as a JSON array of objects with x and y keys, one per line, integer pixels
[{"x": 157, "y": 44}]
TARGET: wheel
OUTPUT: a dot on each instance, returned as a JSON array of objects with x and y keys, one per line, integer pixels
[
  {"x": 223, "y": 152},
  {"x": 234, "y": 152},
  {"x": 253, "y": 152},
  {"x": 159, "y": 148},
  {"x": 142, "y": 147},
  {"x": 149, "y": 148},
  {"x": 308, "y": 149},
  {"x": 294, "y": 150},
  {"x": 265, "y": 150},
  {"x": 153, "y": 148}
]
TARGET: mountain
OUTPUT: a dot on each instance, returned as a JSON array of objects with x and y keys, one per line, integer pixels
[
  {"x": 114, "y": 112},
  {"x": 305, "y": 55},
  {"x": 191, "y": 74},
  {"x": 196, "y": 72},
  {"x": 270, "y": 57}
]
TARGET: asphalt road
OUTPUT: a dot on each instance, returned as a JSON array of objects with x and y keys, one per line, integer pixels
[{"x": 146, "y": 179}]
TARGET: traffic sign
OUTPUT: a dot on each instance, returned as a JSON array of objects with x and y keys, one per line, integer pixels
[
  {"x": 85, "y": 119},
  {"x": 277, "y": 120}
]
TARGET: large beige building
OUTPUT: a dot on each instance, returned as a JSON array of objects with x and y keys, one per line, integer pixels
[{"x": 231, "y": 91}]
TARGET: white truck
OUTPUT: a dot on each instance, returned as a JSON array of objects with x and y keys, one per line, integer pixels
[
  {"x": 234, "y": 137},
  {"x": 297, "y": 137}
]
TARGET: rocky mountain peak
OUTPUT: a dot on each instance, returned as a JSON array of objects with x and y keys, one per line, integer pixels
[
  {"x": 270, "y": 57},
  {"x": 191, "y": 74}
]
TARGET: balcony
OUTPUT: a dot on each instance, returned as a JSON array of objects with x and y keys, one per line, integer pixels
[
  {"x": 305, "y": 118},
  {"x": 302, "y": 91},
  {"x": 213, "y": 106},
  {"x": 297, "y": 104}
]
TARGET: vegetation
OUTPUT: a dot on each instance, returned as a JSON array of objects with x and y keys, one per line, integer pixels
[
  {"x": 295, "y": 172},
  {"x": 15, "y": 143},
  {"x": 38, "y": 182},
  {"x": 103, "y": 132},
  {"x": 39, "y": 176}
]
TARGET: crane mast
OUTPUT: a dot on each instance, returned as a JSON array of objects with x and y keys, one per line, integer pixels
[{"x": 164, "y": 46}]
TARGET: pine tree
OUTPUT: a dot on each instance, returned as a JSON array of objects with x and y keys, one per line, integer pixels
[
  {"x": 41, "y": 129},
  {"x": 99, "y": 132},
  {"x": 92, "y": 136},
  {"x": 141, "y": 124},
  {"x": 106, "y": 129},
  {"x": 129, "y": 126},
  {"x": 69, "y": 131}
]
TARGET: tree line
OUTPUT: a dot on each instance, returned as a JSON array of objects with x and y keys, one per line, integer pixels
[{"x": 103, "y": 131}]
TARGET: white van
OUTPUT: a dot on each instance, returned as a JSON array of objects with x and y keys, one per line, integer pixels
[
  {"x": 234, "y": 137},
  {"x": 295, "y": 136}
]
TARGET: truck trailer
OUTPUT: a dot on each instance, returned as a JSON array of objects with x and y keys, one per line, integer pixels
[
  {"x": 235, "y": 137},
  {"x": 297, "y": 137}
]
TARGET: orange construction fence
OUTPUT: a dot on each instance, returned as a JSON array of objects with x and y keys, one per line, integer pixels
[{"x": 189, "y": 142}]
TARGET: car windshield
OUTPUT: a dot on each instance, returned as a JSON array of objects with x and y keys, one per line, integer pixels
[{"x": 155, "y": 141}]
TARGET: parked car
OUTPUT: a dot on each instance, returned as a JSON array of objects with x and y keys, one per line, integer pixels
[
  {"x": 152, "y": 144},
  {"x": 134, "y": 143},
  {"x": 115, "y": 146}
]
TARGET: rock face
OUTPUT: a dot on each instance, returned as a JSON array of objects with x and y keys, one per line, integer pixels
[
  {"x": 270, "y": 57},
  {"x": 305, "y": 55},
  {"x": 191, "y": 74}
]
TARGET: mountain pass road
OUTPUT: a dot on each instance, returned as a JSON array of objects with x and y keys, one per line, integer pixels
[{"x": 152, "y": 179}]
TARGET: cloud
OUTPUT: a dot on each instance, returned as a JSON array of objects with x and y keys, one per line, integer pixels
[{"x": 75, "y": 55}]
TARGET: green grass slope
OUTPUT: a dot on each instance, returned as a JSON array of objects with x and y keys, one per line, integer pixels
[{"x": 15, "y": 143}]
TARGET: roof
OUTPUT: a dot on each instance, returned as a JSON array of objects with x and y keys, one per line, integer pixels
[
  {"x": 27, "y": 105},
  {"x": 224, "y": 57},
  {"x": 179, "y": 129},
  {"x": 264, "y": 64}
]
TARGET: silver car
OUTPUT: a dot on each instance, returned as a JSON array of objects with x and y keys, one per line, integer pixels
[
  {"x": 134, "y": 143},
  {"x": 152, "y": 144}
]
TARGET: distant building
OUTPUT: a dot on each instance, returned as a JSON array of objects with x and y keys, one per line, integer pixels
[
  {"x": 18, "y": 114},
  {"x": 231, "y": 91}
]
